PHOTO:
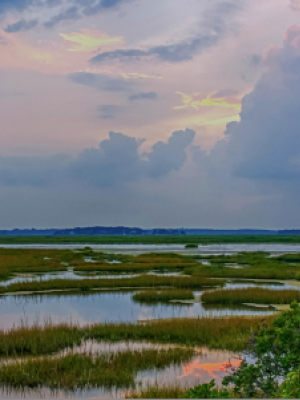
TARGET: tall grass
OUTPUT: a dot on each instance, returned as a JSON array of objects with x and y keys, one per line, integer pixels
[
  {"x": 218, "y": 333},
  {"x": 158, "y": 392},
  {"x": 251, "y": 295},
  {"x": 86, "y": 371},
  {"x": 89, "y": 284},
  {"x": 149, "y": 296}
]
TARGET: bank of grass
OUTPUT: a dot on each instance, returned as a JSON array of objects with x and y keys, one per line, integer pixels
[
  {"x": 151, "y": 239},
  {"x": 132, "y": 267},
  {"x": 217, "y": 333},
  {"x": 148, "y": 296},
  {"x": 14, "y": 261},
  {"x": 251, "y": 295},
  {"x": 252, "y": 266},
  {"x": 87, "y": 371},
  {"x": 142, "y": 281}
]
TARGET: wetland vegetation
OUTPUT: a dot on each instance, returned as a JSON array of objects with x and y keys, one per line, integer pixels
[{"x": 33, "y": 350}]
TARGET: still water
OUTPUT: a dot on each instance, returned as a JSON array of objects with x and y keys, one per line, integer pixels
[
  {"x": 100, "y": 307},
  {"x": 202, "y": 367},
  {"x": 209, "y": 249}
]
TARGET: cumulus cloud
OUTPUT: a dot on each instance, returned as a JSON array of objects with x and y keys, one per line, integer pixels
[
  {"x": 265, "y": 144},
  {"x": 21, "y": 25},
  {"x": 102, "y": 82},
  {"x": 116, "y": 161},
  {"x": 143, "y": 96},
  {"x": 214, "y": 28}
]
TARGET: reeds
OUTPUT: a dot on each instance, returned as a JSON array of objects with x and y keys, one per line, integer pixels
[
  {"x": 75, "y": 371},
  {"x": 251, "y": 295},
  {"x": 218, "y": 333},
  {"x": 149, "y": 296},
  {"x": 158, "y": 392},
  {"x": 136, "y": 282}
]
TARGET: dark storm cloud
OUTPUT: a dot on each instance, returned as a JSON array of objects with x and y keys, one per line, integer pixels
[
  {"x": 143, "y": 96},
  {"x": 21, "y": 26},
  {"x": 116, "y": 161},
  {"x": 101, "y": 82}
]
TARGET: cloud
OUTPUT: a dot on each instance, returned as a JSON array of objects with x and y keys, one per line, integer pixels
[
  {"x": 95, "y": 7},
  {"x": 32, "y": 171},
  {"x": 109, "y": 111},
  {"x": 101, "y": 82},
  {"x": 88, "y": 40},
  {"x": 215, "y": 27},
  {"x": 265, "y": 143},
  {"x": 143, "y": 96},
  {"x": 21, "y": 26},
  {"x": 70, "y": 14},
  {"x": 21, "y": 5},
  {"x": 115, "y": 162},
  {"x": 213, "y": 99}
]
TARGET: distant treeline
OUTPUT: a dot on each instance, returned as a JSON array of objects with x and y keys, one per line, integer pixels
[{"x": 123, "y": 231}]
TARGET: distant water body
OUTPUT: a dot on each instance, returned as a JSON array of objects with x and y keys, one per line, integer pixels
[{"x": 209, "y": 249}]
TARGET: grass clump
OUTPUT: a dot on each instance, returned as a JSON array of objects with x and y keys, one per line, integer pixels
[
  {"x": 149, "y": 296},
  {"x": 87, "y": 371},
  {"x": 158, "y": 392},
  {"x": 191, "y": 246},
  {"x": 252, "y": 266},
  {"x": 139, "y": 281},
  {"x": 251, "y": 295},
  {"x": 218, "y": 333}
]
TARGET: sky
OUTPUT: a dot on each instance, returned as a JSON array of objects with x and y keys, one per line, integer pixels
[{"x": 169, "y": 113}]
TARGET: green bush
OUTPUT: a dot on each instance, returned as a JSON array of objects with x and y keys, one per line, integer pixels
[{"x": 207, "y": 391}]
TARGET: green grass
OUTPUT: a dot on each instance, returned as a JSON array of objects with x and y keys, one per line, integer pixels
[
  {"x": 253, "y": 266},
  {"x": 156, "y": 239},
  {"x": 158, "y": 392},
  {"x": 136, "y": 282},
  {"x": 149, "y": 296},
  {"x": 87, "y": 371},
  {"x": 191, "y": 246},
  {"x": 251, "y": 295},
  {"x": 217, "y": 333}
]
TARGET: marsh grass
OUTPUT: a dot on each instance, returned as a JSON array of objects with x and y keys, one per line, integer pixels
[
  {"x": 132, "y": 267},
  {"x": 254, "y": 266},
  {"x": 217, "y": 333},
  {"x": 150, "y": 296},
  {"x": 251, "y": 295},
  {"x": 136, "y": 282},
  {"x": 87, "y": 371},
  {"x": 158, "y": 392},
  {"x": 152, "y": 239},
  {"x": 33, "y": 261}
]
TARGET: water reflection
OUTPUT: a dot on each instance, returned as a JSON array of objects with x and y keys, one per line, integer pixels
[
  {"x": 202, "y": 367},
  {"x": 98, "y": 307}
]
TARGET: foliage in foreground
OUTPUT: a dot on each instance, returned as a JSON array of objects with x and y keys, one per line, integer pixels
[
  {"x": 277, "y": 350},
  {"x": 251, "y": 295}
]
